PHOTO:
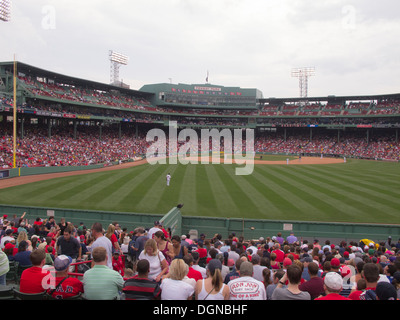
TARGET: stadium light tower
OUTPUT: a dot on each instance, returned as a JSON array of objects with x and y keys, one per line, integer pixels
[
  {"x": 303, "y": 74},
  {"x": 116, "y": 59},
  {"x": 5, "y": 10}
]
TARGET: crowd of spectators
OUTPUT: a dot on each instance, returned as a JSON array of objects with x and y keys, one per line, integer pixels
[
  {"x": 356, "y": 145},
  {"x": 62, "y": 149},
  {"x": 317, "y": 109},
  {"x": 153, "y": 264},
  {"x": 87, "y": 96},
  {"x": 36, "y": 148}
]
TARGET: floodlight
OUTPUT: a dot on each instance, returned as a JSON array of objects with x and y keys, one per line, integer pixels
[
  {"x": 5, "y": 10},
  {"x": 116, "y": 59},
  {"x": 119, "y": 58},
  {"x": 303, "y": 74}
]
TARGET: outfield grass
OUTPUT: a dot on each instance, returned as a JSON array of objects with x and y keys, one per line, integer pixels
[{"x": 358, "y": 191}]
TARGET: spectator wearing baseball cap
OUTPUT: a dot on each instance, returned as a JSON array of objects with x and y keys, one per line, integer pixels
[
  {"x": 64, "y": 286},
  {"x": 333, "y": 284},
  {"x": 335, "y": 265},
  {"x": 385, "y": 291}
]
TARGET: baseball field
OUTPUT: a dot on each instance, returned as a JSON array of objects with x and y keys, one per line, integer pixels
[{"x": 358, "y": 191}]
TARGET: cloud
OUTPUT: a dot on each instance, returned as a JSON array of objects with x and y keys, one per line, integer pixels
[{"x": 246, "y": 43}]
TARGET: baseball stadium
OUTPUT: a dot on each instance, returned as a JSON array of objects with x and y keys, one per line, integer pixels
[{"x": 325, "y": 167}]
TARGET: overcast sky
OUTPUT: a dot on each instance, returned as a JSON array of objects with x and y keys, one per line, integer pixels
[{"x": 353, "y": 45}]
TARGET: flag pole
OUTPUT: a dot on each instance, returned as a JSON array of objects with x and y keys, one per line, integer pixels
[{"x": 15, "y": 115}]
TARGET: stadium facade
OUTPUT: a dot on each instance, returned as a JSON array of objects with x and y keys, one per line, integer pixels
[{"x": 51, "y": 100}]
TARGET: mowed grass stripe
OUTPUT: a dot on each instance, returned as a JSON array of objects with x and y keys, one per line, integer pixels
[
  {"x": 205, "y": 198},
  {"x": 85, "y": 188},
  {"x": 152, "y": 190},
  {"x": 295, "y": 204},
  {"x": 386, "y": 174},
  {"x": 34, "y": 189},
  {"x": 130, "y": 202},
  {"x": 149, "y": 193},
  {"x": 53, "y": 194},
  {"x": 330, "y": 191},
  {"x": 169, "y": 195},
  {"x": 365, "y": 198},
  {"x": 106, "y": 195},
  {"x": 240, "y": 197},
  {"x": 187, "y": 193},
  {"x": 280, "y": 205},
  {"x": 334, "y": 198},
  {"x": 322, "y": 204},
  {"x": 383, "y": 189},
  {"x": 256, "y": 195},
  {"x": 225, "y": 201}
]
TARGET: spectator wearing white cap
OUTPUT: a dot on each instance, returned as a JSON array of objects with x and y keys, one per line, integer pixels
[
  {"x": 64, "y": 286},
  {"x": 333, "y": 284}
]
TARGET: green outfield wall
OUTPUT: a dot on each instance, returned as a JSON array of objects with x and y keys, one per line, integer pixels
[{"x": 180, "y": 224}]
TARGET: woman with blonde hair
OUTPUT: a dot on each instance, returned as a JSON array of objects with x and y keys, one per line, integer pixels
[
  {"x": 22, "y": 236},
  {"x": 110, "y": 234},
  {"x": 213, "y": 287},
  {"x": 173, "y": 287},
  {"x": 158, "y": 264}
]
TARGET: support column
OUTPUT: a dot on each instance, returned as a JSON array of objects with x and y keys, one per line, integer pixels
[
  {"x": 75, "y": 128},
  {"x": 22, "y": 127},
  {"x": 49, "y": 127}
]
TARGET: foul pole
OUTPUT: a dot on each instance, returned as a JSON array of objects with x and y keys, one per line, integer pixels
[{"x": 15, "y": 115}]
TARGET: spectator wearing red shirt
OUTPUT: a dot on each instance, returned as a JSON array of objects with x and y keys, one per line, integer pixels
[
  {"x": 35, "y": 279},
  {"x": 192, "y": 274},
  {"x": 118, "y": 263},
  {"x": 64, "y": 286},
  {"x": 333, "y": 284},
  {"x": 113, "y": 238},
  {"x": 280, "y": 255},
  {"x": 201, "y": 250},
  {"x": 38, "y": 222}
]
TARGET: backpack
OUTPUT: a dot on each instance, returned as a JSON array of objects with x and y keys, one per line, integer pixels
[{"x": 368, "y": 295}]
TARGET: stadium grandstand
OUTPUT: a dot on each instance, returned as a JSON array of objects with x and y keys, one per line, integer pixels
[{"x": 67, "y": 121}]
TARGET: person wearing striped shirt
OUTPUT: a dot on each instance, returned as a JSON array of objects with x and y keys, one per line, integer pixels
[
  {"x": 140, "y": 287},
  {"x": 101, "y": 282}
]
